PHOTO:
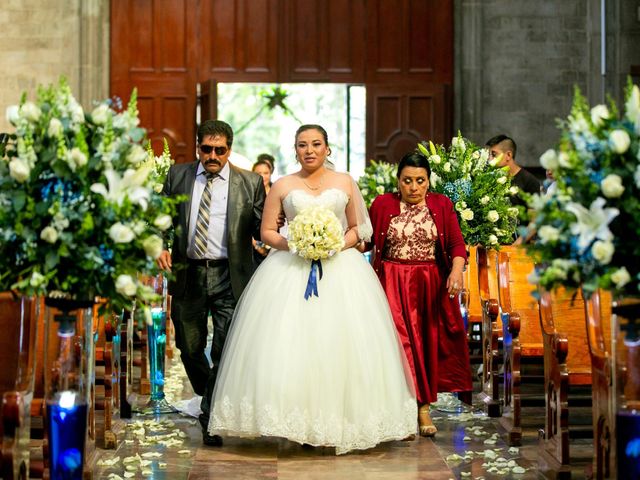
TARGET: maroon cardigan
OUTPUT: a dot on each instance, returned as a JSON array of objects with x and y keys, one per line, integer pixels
[{"x": 387, "y": 206}]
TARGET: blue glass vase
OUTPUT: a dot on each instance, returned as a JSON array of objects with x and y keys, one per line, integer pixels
[
  {"x": 68, "y": 381},
  {"x": 157, "y": 347}
]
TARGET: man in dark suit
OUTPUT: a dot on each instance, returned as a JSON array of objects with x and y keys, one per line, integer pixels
[{"x": 212, "y": 254}]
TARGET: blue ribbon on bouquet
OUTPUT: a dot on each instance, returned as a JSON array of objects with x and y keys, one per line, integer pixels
[{"x": 315, "y": 275}]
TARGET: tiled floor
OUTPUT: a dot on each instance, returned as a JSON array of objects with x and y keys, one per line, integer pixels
[{"x": 171, "y": 448}]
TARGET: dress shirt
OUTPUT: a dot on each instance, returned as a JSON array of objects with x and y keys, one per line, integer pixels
[{"x": 217, "y": 244}]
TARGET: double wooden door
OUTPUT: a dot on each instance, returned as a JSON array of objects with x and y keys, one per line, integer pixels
[{"x": 401, "y": 50}]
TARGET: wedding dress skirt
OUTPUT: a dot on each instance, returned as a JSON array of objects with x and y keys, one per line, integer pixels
[{"x": 326, "y": 371}]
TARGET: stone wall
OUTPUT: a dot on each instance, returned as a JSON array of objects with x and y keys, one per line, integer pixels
[
  {"x": 517, "y": 62},
  {"x": 44, "y": 39}
]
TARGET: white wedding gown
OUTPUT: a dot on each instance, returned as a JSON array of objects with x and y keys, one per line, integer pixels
[{"x": 326, "y": 371}]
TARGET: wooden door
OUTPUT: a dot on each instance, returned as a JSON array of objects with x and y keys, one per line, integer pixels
[
  {"x": 398, "y": 117},
  {"x": 153, "y": 48}
]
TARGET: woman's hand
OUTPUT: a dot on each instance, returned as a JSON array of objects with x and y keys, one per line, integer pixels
[{"x": 454, "y": 281}]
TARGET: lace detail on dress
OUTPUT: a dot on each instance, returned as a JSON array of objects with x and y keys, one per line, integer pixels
[
  {"x": 412, "y": 235},
  {"x": 245, "y": 420}
]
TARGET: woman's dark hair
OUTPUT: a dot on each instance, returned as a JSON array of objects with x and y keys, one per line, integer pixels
[
  {"x": 262, "y": 162},
  {"x": 265, "y": 159},
  {"x": 311, "y": 126},
  {"x": 414, "y": 159}
]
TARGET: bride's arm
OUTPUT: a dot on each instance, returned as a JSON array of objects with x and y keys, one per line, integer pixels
[
  {"x": 272, "y": 208},
  {"x": 351, "y": 238}
]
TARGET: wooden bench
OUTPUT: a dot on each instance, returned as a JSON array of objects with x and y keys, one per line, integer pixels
[
  {"x": 470, "y": 300},
  {"x": 521, "y": 333},
  {"x": 598, "y": 316},
  {"x": 19, "y": 321},
  {"x": 567, "y": 364},
  {"x": 491, "y": 332}
]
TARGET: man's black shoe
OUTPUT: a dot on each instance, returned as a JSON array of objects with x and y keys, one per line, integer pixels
[{"x": 211, "y": 440}]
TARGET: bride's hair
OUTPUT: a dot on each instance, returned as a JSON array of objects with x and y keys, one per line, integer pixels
[{"x": 311, "y": 126}]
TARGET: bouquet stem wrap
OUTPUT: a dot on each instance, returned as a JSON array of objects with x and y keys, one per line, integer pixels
[{"x": 315, "y": 274}]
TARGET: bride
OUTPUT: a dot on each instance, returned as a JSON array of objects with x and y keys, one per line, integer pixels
[{"x": 327, "y": 371}]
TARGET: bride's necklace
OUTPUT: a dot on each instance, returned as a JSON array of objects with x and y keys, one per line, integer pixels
[{"x": 313, "y": 189}]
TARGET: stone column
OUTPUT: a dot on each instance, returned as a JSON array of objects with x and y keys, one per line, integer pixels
[{"x": 94, "y": 52}]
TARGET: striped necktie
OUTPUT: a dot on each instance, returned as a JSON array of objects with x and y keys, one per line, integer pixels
[{"x": 202, "y": 223}]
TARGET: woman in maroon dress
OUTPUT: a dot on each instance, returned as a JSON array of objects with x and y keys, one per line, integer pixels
[{"x": 419, "y": 257}]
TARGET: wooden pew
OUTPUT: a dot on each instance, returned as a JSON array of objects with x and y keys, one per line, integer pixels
[
  {"x": 598, "y": 316},
  {"x": 491, "y": 331},
  {"x": 470, "y": 300},
  {"x": 567, "y": 364},
  {"x": 104, "y": 392},
  {"x": 521, "y": 333},
  {"x": 19, "y": 322}
]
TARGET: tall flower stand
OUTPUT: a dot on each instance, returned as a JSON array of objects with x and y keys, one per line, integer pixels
[
  {"x": 68, "y": 379},
  {"x": 157, "y": 344},
  {"x": 626, "y": 320}
]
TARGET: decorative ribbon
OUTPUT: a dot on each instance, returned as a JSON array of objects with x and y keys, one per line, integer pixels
[{"x": 315, "y": 275}]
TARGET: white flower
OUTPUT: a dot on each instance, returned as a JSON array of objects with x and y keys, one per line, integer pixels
[
  {"x": 621, "y": 277},
  {"x": 60, "y": 222},
  {"x": 619, "y": 140},
  {"x": 49, "y": 234},
  {"x": 125, "y": 285},
  {"x": 55, "y": 128},
  {"x": 129, "y": 185},
  {"x": 136, "y": 155},
  {"x": 100, "y": 114},
  {"x": 152, "y": 246},
  {"x": 19, "y": 169},
  {"x": 36, "y": 279},
  {"x": 633, "y": 108},
  {"x": 612, "y": 186},
  {"x": 513, "y": 211},
  {"x": 493, "y": 240},
  {"x": 435, "y": 159},
  {"x": 548, "y": 234},
  {"x": 76, "y": 158},
  {"x": 30, "y": 111},
  {"x": 513, "y": 190},
  {"x": 13, "y": 114},
  {"x": 467, "y": 214},
  {"x": 434, "y": 179},
  {"x": 602, "y": 251},
  {"x": 484, "y": 200},
  {"x": 461, "y": 206},
  {"x": 121, "y": 233},
  {"x": 458, "y": 143},
  {"x": 447, "y": 167},
  {"x": 493, "y": 216},
  {"x": 549, "y": 160},
  {"x": 315, "y": 233},
  {"x": 599, "y": 114},
  {"x": 138, "y": 227},
  {"x": 578, "y": 124},
  {"x": 380, "y": 189},
  {"x": 162, "y": 222},
  {"x": 591, "y": 224},
  {"x": 502, "y": 180},
  {"x": 563, "y": 160},
  {"x": 636, "y": 176}
]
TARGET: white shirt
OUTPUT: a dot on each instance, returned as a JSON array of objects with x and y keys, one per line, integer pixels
[{"x": 217, "y": 241}]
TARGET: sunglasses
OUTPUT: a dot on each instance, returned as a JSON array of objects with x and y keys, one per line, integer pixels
[{"x": 209, "y": 149}]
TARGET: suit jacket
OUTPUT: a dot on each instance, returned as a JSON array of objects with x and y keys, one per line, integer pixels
[
  {"x": 387, "y": 206},
  {"x": 244, "y": 215}
]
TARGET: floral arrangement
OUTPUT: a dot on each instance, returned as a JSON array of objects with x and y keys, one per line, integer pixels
[
  {"x": 315, "y": 233},
  {"x": 378, "y": 178},
  {"x": 79, "y": 215},
  {"x": 480, "y": 191},
  {"x": 588, "y": 225}
]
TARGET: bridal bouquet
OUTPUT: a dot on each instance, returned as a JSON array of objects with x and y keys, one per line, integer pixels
[
  {"x": 588, "y": 226},
  {"x": 314, "y": 234},
  {"x": 79, "y": 216},
  {"x": 480, "y": 191}
]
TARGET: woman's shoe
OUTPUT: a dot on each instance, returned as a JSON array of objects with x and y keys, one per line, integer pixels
[{"x": 426, "y": 426}]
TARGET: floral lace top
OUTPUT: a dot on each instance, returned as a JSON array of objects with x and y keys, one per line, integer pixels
[{"x": 412, "y": 235}]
